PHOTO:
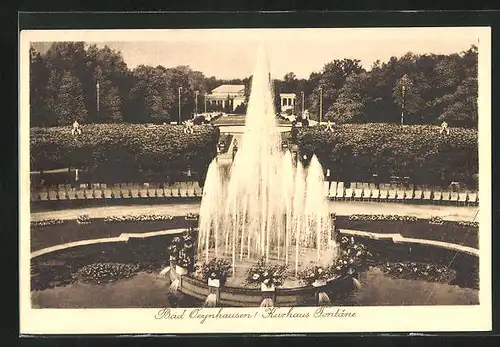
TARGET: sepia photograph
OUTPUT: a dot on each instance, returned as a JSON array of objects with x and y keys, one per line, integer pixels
[{"x": 255, "y": 180}]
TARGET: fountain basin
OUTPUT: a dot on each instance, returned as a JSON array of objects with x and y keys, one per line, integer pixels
[{"x": 252, "y": 297}]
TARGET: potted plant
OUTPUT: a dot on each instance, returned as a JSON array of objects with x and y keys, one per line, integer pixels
[
  {"x": 315, "y": 276},
  {"x": 215, "y": 272},
  {"x": 268, "y": 276},
  {"x": 174, "y": 248},
  {"x": 183, "y": 263},
  {"x": 191, "y": 216},
  {"x": 353, "y": 257}
]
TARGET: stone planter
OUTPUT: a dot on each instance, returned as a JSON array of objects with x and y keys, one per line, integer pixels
[
  {"x": 214, "y": 283},
  {"x": 319, "y": 283},
  {"x": 180, "y": 270},
  {"x": 267, "y": 288}
]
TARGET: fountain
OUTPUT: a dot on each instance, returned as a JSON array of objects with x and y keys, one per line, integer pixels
[{"x": 263, "y": 207}]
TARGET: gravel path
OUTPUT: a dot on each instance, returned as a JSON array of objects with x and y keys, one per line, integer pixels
[{"x": 338, "y": 207}]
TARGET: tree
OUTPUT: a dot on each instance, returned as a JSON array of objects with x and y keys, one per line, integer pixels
[
  {"x": 350, "y": 104},
  {"x": 331, "y": 80},
  {"x": 405, "y": 95},
  {"x": 70, "y": 104},
  {"x": 39, "y": 75}
]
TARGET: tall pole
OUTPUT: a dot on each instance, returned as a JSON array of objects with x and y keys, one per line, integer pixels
[
  {"x": 320, "y": 104},
  {"x": 196, "y": 103},
  {"x": 97, "y": 96},
  {"x": 180, "y": 88},
  {"x": 205, "y": 99},
  {"x": 403, "y": 105},
  {"x": 303, "y": 105}
]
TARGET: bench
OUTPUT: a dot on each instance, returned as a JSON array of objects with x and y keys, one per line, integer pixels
[
  {"x": 445, "y": 196},
  {"x": 134, "y": 192},
  {"x": 44, "y": 196},
  {"x": 427, "y": 196},
  {"x": 472, "y": 198},
  {"x": 98, "y": 193},
  {"x": 454, "y": 197},
  {"x": 332, "y": 192},
  {"x": 417, "y": 195},
  {"x": 348, "y": 194},
  {"x": 108, "y": 194},
  {"x": 159, "y": 192},
  {"x": 71, "y": 194},
  {"x": 400, "y": 195},
  {"x": 358, "y": 194},
  {"x": 125, "y": 192},
  {"x": 391, "y": 196},
  {"x": 53, "y": 195},
  {"x": 88, "y": 193},
  {"x": 80, "y": 194},
  {"x": 366, "y": 194},
  {"x": 437, "y": 196}
]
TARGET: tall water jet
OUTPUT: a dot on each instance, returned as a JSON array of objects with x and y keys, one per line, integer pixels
[{"x": 264, "y": 208}]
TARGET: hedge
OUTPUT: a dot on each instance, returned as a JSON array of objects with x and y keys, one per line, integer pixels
[
  {"x": 116, "y": 149},
  {"x": 357, "y": 151}
]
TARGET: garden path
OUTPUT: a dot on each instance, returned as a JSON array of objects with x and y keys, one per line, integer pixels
[{"x": 339, "y": 207}]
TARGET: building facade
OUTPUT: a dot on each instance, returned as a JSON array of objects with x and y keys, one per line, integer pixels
[
  {"x": 226, "y": 96},
  {"x": 287, "y": 101}
]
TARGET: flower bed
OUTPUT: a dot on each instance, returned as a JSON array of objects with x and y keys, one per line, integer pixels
[
  {"x": 98, "y": 273},
  {"x": 382, "y": 217},
  {"x": 137, "y": 218},
  {"x": 47, "y": 222},
  {"x": 83, "y": 219},
  {"x": 461, "y": 233},
  {"x": 192, "y": 216},
  {"x": 419, "y": 271},
  {"x": 217, "y": 269},
  {"x": 468, "y": 224},
  {"x": 268, "y": 275}
]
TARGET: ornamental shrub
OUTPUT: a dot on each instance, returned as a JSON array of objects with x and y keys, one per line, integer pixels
[
  {"x": 356, "y": 151},
  {"x": 119, "y": 148}
]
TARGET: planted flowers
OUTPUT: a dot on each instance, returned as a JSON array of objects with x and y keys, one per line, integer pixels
[
  {"x": 353, "y": 258},
  {"x": 215, "y": 269},
  {"x": 98, "y": 273},
  {"x": 382, "y": 217},
  {"x": 269, "y": 275},
  {"x": 419, "y": 271},
  {"x": 47, "y": 222},
  {"x": 138, "y": 218}
]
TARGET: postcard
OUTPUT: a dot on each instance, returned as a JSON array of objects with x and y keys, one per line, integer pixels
[{"x": 291, "y": 180}]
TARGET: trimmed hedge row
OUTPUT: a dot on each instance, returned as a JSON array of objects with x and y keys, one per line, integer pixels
[
  {"x": 417, "y": 151},
  {"x": 115, "y": 149}
]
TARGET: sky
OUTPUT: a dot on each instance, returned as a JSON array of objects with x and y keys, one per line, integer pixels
[{"x": 231, "y": 53}]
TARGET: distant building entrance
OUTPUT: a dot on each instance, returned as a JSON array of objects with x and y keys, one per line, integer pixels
[{"x": 226, "y": 96}]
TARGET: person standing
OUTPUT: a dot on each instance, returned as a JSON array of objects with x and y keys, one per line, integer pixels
[
  {"x": 444, "y": 128},
  {"x": 235, "y": 148}
]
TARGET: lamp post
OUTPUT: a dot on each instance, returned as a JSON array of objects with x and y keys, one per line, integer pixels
[
  {"x": 180, "y": 88},
  {"x": 403, "y": 104},
  {"x": 205, "y": 100},
  {"x": 320, "y": 104},
  {"x": 97, "y": 96},
  {"x": 302, "y": 94},
  {"x": 196, "y": 102}
]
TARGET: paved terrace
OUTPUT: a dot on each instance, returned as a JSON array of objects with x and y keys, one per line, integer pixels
[{"x": 465, "y": 213}]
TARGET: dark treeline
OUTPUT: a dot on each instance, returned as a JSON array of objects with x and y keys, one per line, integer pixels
[{"x": 64, "y": 88}]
